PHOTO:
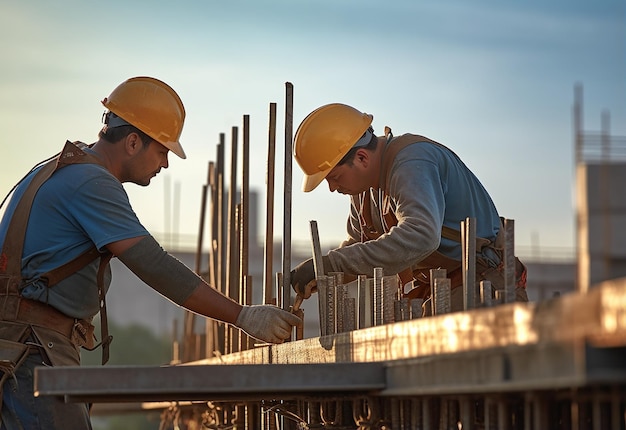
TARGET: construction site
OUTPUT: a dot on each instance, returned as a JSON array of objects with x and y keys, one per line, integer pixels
[{"x": 366, "y": 358}]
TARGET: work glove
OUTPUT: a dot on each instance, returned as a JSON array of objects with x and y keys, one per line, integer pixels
[
  {"x": 268, "y": 323},
  {"x": 303, "y": 277}
]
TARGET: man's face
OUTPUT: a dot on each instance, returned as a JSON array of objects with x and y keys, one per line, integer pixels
[
  {"x": 148, "y": 162},
  {"x": 348, "y": 178}
]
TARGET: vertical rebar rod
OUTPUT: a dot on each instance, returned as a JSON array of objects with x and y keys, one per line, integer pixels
[
  {"x": 316, "y": 249},
  {"x": 220, "y": 220},
  {"x": 238, "y": 282},
  {"x": 486, "y": 297},
  {"x": 318, "y": 266},
  {"x": 268, "y": 255},
  {"x": 468, "y": 238},
  {"x": 210, "y": 325},
  {"x": 509, "y": 261},
  {"x": 363, "y": 300},
  {"x": 331, "y": 305},
  {"x": 377, "y": 317},
  {"x": 231, "y": 254},
  {"x": 245, "y": 205},
  {"x": 232, "y": 284},
  {"x": 286, "y": 293},
  {"x": 435, "y": 274},
  {"x": 220, "y": 249},
  {"x": 322, "y": 295},
  {"x": 441, "y": 296},
  {"x": 389, "y": 297}
]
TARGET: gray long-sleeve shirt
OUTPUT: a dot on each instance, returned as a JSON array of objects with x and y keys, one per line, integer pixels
[{"x": 429, "y": 186}]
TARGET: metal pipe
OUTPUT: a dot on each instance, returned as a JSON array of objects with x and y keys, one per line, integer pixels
[
  {"x": 268, "y": 256},
  {"x": 468, "y": 238},
  {"x": 231, "y": 254},
  {"x": 220, "y": 220},
  {"x": 233, "y": 291},
  {"x": 377, "y": 317},
  {"x": 245, "y": 206},
  {"x": 509, "y": 261},
  {"x": 286, "y": 291},
  {"x": 435, "y": 274},
  {"x": 210, "y": 325}
]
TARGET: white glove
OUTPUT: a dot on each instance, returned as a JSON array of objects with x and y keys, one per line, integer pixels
[{"x": 268, "y": 323}]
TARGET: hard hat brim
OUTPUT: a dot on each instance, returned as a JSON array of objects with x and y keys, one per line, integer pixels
[
  {"x": 310, "y": 182},
  {"x": 176, "y": 148}
]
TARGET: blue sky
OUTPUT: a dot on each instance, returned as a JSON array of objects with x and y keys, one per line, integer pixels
[{"x": 493, "y": 80}]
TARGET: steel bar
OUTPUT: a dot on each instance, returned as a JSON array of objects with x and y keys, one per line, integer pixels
[
  {"x": 363, "y": 296},
  {"x": 318, "y": 266},
  {"x": 441, "y": 296},
  {"x": 322, "y": 295},
  {"x": 468, "y": 237},
  {"x": 486, "y": 297},
  {"x": 220, "y": 219},
  {"x": 595, "y": 318},
  {"x": 377, "y": 315},
  {"x": 245, "y": 207},
  {"x": 509, "y": 261},
  {"x": 210, "y": 325},
  {"x": 232, "y": 279},
  {"x": 268, "y": 255},
  {"x": 232, "y": 272},
  {"x": 129, "y": 383},
  {"x": 286, "y": 291},
  {"x": 435, "y": 274}
]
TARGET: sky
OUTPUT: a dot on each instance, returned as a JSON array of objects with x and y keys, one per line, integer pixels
[{"x": 492, "y": 80}]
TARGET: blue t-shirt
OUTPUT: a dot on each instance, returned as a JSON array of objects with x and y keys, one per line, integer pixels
[{"x": 80, "y": 206}]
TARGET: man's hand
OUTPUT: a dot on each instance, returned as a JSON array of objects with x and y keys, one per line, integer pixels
[
  {"x": 268, "y": 323},
  {"x": 303, "y": 279}
]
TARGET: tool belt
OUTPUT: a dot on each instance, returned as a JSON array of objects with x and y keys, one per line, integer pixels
[
  {"x": 13, "y": 352},
  {"x": 36, "y": 313}
]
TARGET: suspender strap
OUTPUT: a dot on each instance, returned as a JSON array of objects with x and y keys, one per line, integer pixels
[
  {"x": 55, "y": 276},
  {"x": 13, "y": 247}
]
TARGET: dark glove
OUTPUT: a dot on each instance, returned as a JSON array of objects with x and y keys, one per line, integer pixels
[{"x": 303, "y": 279}]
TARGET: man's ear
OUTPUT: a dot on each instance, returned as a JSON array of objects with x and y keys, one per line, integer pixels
[
  {"x": 362, "y": 157},
  {"x": 133, "y": 143}
]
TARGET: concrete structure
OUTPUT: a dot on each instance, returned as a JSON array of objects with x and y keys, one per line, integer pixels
[{"x": 601, "y": 201}]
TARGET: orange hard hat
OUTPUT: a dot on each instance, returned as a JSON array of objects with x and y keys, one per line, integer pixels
[
  {"x": 324, "y": 137},
  {"x": 153, "y": 107}
]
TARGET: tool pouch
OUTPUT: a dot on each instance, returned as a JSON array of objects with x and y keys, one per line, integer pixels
[{"x": 13, "y": 351}]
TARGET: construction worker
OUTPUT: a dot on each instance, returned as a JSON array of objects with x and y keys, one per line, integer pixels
[
  {"x": 64, "y": 221},
  {"x": 408, "y": 196}
]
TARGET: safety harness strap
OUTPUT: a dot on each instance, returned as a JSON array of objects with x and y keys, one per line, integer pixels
[{"x": 13, "y": 247}]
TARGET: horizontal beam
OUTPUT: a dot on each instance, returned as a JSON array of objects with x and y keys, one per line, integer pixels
[
  {"x": 180, "y": 383},
  {"x": 596, "y": 317}
]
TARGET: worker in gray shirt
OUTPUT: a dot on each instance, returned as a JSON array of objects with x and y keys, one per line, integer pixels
[{"x": 408, "y": 196}]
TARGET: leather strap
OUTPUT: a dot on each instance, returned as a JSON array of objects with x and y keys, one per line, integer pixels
[
  {"x": 13, "y": 247},
  {"x": 34, "y": 312}
]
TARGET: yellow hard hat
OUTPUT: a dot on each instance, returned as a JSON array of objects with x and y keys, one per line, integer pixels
[
  {"x": 153, "y": 107},
  {"x": 324, "y": 137}
]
